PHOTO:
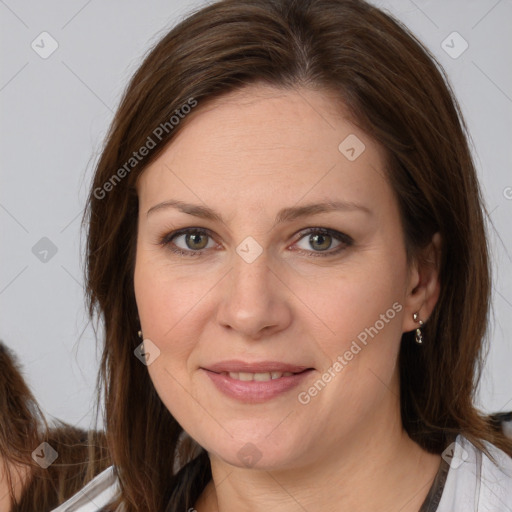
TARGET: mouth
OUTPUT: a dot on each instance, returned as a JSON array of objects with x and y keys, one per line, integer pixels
[
  {"x": 260, "y": 367},
  {"x": 255, "y": 382},
  {"x": 259, "y": 377}
]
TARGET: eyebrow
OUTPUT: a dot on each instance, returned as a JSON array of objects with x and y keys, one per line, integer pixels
[{"x": 284, "y": 215}]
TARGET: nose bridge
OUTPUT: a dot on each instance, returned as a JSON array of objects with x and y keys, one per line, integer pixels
[
  {"x": 251, "y": 276},
  {"x": 251, "y": 272},
  {"x": 252, "y": 300}
]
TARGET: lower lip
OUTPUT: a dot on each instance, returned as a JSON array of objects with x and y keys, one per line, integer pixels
[{"x": 255, "y": 391}]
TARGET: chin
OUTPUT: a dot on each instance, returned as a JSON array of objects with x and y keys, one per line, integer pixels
[{"x": 259, "y": 454}]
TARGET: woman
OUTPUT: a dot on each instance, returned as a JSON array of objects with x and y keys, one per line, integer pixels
[
  {"x": 36, "y": 476},
  {"x": 286, "y": 246}
]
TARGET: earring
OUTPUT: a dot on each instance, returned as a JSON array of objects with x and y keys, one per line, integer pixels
[
  {"x": 419, "y": 334},
  {"x": 139, "y": 334}
]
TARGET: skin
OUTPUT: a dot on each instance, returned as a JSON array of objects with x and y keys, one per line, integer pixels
[
  {"x": 247, "y": 155},
  {"x": 19, "y": 476}
]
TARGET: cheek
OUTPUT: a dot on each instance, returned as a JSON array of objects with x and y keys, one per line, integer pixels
[
  {"x": 164, "y": 301},
  {"x": 355, "y": 299},
  {"x": 167, "y": 302},
  {"x": 363, "y": 310}
]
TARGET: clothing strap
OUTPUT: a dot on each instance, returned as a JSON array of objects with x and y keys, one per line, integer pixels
[{"x": 436, "y": 490}]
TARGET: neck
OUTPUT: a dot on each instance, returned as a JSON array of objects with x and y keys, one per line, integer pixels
[{"x": 378, "y": 468}]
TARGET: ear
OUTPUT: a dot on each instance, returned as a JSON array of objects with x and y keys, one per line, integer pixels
[{"x": 423, "y": 286}]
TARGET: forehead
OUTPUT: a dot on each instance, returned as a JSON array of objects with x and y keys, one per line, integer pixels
[{"x": 267, "y": 145}]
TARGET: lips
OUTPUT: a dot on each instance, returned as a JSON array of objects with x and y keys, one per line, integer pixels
[{"x": 255, "y": 382}]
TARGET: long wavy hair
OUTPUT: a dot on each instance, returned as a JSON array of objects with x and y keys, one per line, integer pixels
[{"x": 398, "y": 94}]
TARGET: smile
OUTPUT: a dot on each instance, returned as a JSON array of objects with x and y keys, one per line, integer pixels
[{"x": 256, "y": 387}]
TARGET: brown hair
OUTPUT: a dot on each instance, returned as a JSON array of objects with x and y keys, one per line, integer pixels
[
  {"x": 23, "y": 427},
  {"x": 400, "y": 97}
]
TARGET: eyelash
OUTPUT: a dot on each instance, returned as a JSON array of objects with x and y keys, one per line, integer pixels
[{"x": 346, "y": 241}]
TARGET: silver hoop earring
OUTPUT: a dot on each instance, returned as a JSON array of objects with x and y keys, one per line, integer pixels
[{"x": 419, "y": 334}]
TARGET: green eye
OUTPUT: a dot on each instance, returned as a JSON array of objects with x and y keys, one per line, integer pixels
[
  {"x": 194, "y": 240},
  {"x": 321, "y": 240},
  {"x": 324, "y": 241}
]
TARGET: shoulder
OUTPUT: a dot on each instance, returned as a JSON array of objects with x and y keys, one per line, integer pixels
[
  {"x": 476, "y": 482},
  {"x": 98, "y": 493}
]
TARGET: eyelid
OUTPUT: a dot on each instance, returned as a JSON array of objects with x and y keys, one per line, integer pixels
[{"x": 342, "y": 237}]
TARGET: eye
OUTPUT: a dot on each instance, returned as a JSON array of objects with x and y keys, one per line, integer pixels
[
  {"x": 321, "y": 240},
  {"x": 193, "y": 241}
]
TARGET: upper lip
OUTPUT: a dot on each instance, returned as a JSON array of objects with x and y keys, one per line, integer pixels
[{"x": 256, "y": 367}]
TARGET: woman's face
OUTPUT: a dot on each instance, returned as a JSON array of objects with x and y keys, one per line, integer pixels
[{"x": 274, "y": 334}]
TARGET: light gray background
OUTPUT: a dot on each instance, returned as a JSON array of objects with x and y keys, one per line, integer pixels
[{"x": 55, "y": 114}]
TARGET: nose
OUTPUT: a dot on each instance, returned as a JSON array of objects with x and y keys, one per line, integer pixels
[{"x": 254, "y": 300}]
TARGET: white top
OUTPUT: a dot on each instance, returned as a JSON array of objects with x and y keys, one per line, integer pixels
[
  {"x": 473, "y": 483},
  {"x": 100, "y": 491}
]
